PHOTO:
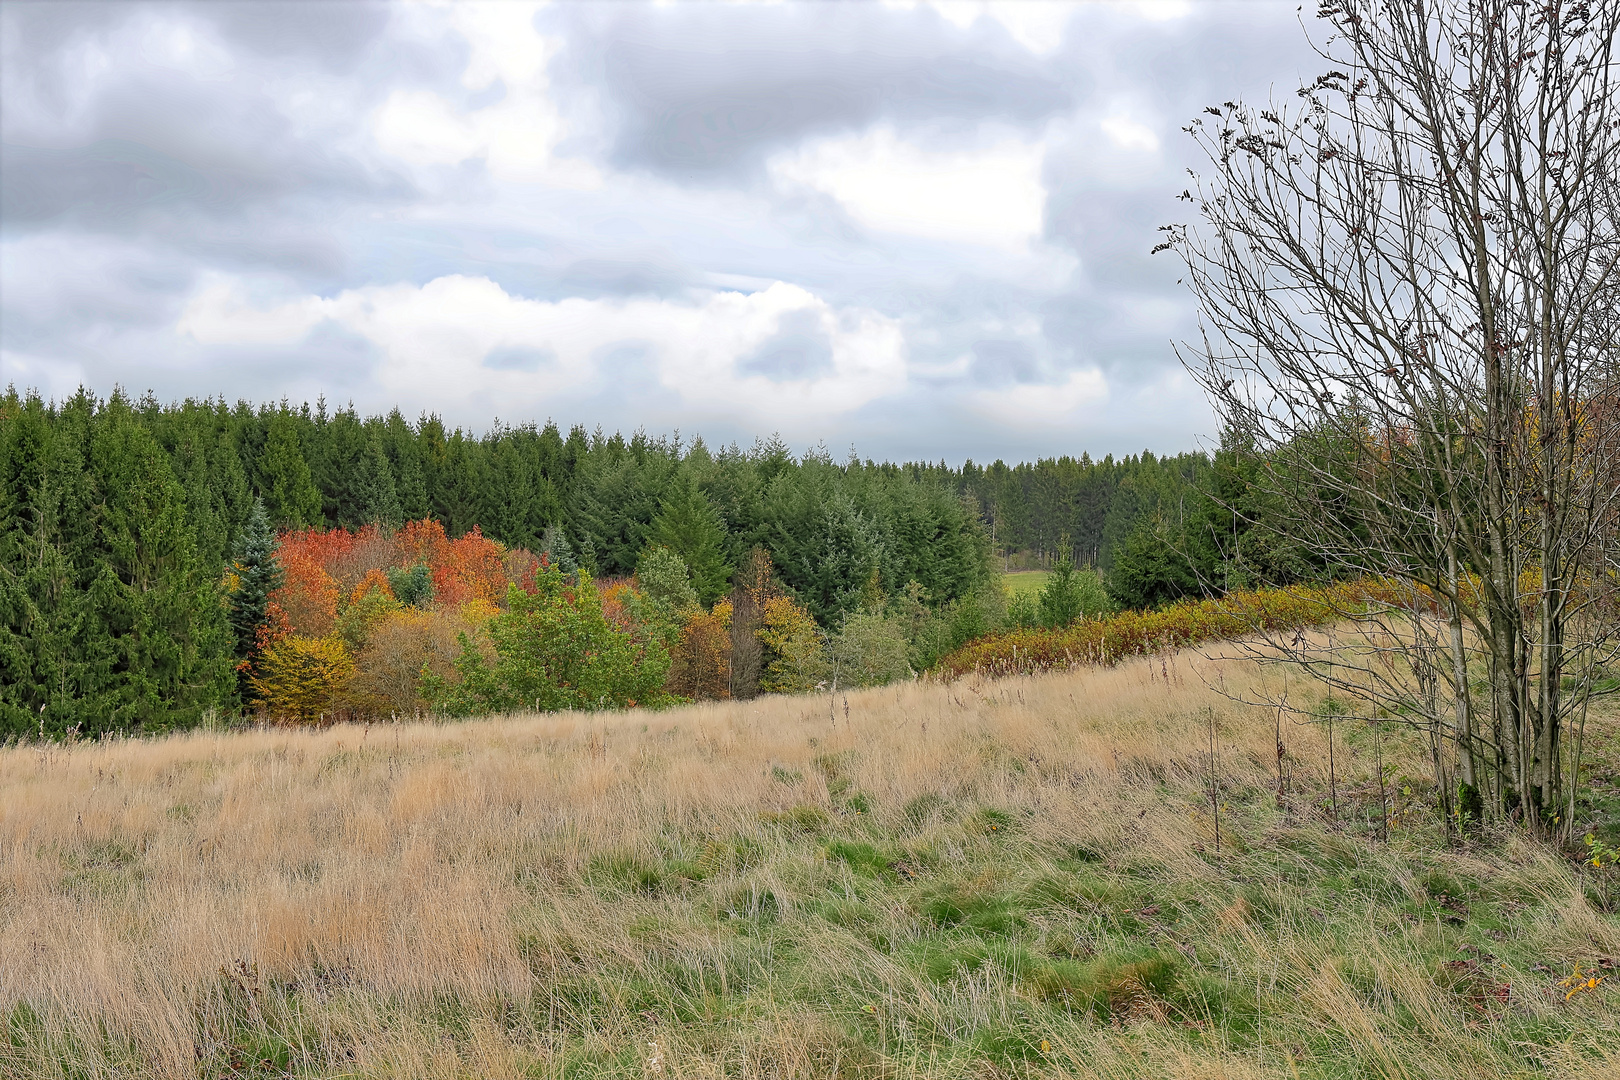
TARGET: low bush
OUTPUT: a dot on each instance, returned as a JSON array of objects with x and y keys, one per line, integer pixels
[{"x": 1106, "y": 640}]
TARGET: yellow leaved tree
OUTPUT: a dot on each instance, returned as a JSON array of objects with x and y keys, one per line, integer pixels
[{"x": 303, "y": 678}]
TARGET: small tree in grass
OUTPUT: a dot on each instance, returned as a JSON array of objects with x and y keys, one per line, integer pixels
[{"x": 1070, "y": 593}]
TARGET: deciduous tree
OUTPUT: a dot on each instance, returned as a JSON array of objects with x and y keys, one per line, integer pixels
[{"x": 1408, "y": 277}]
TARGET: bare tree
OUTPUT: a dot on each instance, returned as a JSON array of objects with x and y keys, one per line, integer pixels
[{"x": 1408, "y": 281}]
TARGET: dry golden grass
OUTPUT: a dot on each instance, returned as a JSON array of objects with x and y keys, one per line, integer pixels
[{"x": 755, "y": 889}]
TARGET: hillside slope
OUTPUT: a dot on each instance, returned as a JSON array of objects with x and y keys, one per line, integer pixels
[{"x": 977, "y": 879}]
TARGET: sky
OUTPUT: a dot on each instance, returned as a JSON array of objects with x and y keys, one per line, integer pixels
[{"x": 918, "y": 230}]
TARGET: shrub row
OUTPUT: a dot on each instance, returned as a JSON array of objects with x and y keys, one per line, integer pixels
[{"x": 1108, "y": 639}]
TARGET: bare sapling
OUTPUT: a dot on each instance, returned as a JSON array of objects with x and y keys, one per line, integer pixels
[{"x": 1409, "y": 276}]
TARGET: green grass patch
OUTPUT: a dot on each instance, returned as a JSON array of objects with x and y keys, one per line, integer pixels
[{"x": 1025, "y": 582}]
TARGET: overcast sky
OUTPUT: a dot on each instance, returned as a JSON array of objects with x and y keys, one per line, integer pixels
[{"x": 918, "y": 229}]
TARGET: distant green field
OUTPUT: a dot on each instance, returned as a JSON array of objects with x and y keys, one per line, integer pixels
[{"x": 1025, "y": 582}]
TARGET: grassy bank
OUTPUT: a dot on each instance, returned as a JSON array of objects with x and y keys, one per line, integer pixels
[{"x": 968, "y": 880}]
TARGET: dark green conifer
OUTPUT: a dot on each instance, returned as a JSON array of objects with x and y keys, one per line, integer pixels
[
  {"x": 288, "y": 488},
  {"x": 257, "y": 576},
  {"x": 376, "y": 496},
  {"x": 688, "y": 524},
  {"x": 413, "y": 586}
]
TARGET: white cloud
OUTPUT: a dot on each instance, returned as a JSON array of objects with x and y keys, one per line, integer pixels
[
  {"x": 422, "y": 128},
  {"x": 435, "y": 339},
  {"x": 1128, "y": 134},
  {"x": 992, "y": 196},
  {"x": 517, "y": 135},
  {"x": 221, "y": 312},
  {"x": 1036, "y": 405}
]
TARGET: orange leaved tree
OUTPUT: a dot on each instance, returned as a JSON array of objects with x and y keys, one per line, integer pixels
[{"x": 700, "y": 659}]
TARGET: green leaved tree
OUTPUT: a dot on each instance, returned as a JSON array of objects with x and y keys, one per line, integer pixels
[{"x": 553, "y": 649}]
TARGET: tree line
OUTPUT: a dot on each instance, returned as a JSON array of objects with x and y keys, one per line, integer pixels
[{"x": 120, "y": 519}]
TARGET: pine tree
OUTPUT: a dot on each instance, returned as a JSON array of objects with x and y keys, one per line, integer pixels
[
  {"x": 1070, "y": 593},
  {"x": 688, "y": 524},
  {"x": 558, "y": 551},
  {"x": 587, "y": 553},
  {"x": 109, "y": 618},
  {"x": 285, "y": 482},
  {"x": 375, "y": 494},
  {"x": 405, "y": 459},
  {"x": 257, "y": 576},
  {"x": 412, "y": 586},
  {"x": 157, "y": 627},
  {"x": 44, "y": 494}
]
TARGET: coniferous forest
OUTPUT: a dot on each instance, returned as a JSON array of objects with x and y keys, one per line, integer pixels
[{"x": 141, "y": 586}]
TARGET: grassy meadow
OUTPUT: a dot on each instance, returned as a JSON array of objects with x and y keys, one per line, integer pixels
[
  {"x": 1025, "y": 582},
  {"x": 978, "y": 879}
]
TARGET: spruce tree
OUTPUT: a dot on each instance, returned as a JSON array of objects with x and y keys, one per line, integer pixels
[
  {"x": 375, "y": 494},
  {"x": 412, "y": 586},
  {"x": 688, "y": 525},
  {"x": 558, "y": 551},
  {"x": 405, "y": 459},
  {"x": 257, "y": 576},
  {"x": 155, "y": 626},
  {"x": 44, "y": 497},
  {"x": 285, "y": 482}
]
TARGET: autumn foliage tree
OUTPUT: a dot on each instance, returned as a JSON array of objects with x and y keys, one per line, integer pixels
[
  {"x": 304, "y": 678},
  {"x": 700, "y": 659},
  {"x": 398, "y": 650}
]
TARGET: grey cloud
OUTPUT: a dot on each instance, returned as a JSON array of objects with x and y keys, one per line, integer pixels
[
  {"x": 335, "y": 35},
  {"x": 999, "y": 363},
  {"x": 519, "y": 358},
  {"x": 702, "y": 92},
  {"x": 625, "y": 365},
  {"x": 136, "y": 145},
  {"x": 1109, "y": 215},
  {"x": 650, "y": 274},
  {"x": 800, "y": 349},
  {"x": 334, "y": 347},
  {"x": 109, "y": 181}
]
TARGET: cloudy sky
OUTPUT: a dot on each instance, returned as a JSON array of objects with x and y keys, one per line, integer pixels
[{"x": 921, "y": 229}]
